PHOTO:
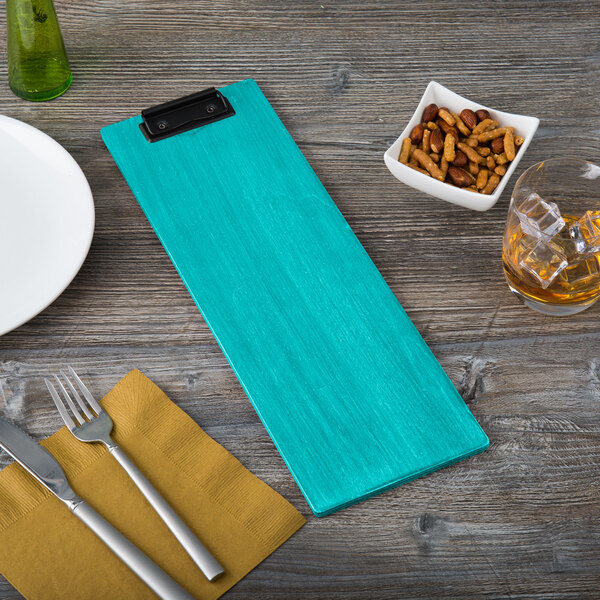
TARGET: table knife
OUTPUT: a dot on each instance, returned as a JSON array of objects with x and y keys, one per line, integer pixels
[{"x": 42, "y": 465}]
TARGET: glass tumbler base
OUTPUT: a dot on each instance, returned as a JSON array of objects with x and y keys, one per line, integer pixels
[
  {"x": 45, "y": 94},
  {"x": 555, "y": 310}
]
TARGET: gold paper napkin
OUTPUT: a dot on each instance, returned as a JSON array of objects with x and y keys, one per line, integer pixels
[{"x": 47, "y": 553}]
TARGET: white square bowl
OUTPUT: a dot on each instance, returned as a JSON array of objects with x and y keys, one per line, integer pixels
[{"x": 435, "y": 93}]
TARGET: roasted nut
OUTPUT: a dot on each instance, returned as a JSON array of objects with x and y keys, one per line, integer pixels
[
  {"x": 416, "y": 135},
  {"x": 493, "y": 181},
  {"x": 417, "y": 168},
  {"x": 431, "y": 126},
  {"x": 500, "y": 170},
  {"x": 482, "y": 178},
  {"x": 500, "y": 159},
  {"x": 459, "y": 177},
  {"x": 435, "y": 157},
  {"x": 448, "y": 129},
  {"x": 468, "y": 117},
  {"x": 482, "y": 114},
  {"x": 519, "y": 140},
  {"x": 509, "y": 146},
  {"x": 436, "y": 141},
  {"x": 460, "y": 125},
  {"x": 460, "y": 160},
  {"x": 444, "y": 167},
  {"x": 405, "y": 151},
  {"x": 497, "y": 145},
  {"x": 486, "y": 136},
  {"x": 482, "y": 126},
  {"x": 473, "y": 168},
  {"x": 444, "y": 114},
  {"x": 430, "y": 113},
  {"x": 472, "y": 155},
  {"x": 426, "y": 134},
  {"x": 425, "y": 161},
  {"x": 449, "y": 150},
  {"x": 483, "y": 151}
]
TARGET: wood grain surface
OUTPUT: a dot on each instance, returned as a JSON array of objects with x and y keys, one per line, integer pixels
[{"x": 520, "y": 520}]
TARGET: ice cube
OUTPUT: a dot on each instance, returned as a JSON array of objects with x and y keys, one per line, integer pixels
[
  {"x": 584, "y": 273},
  {"x": 538, "y": 217},
  {"x": 545, "y": 260},
  {"x": 567, "y": 245},
  {"x": 585, "y": 233}
]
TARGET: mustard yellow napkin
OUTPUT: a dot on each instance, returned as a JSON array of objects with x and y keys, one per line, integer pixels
[{"x": 47, "y": 554}]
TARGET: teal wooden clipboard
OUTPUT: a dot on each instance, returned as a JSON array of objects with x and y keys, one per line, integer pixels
[{"x": 349, "y": 392}]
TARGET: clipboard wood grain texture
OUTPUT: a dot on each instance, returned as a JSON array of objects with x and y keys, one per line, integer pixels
[{"x": 348, "y": 390}]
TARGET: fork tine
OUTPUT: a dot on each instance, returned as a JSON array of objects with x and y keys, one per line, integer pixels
[
  {"x": 78, "y": 399},
  {"x": 64, "y": 413},
  {"x": 86, "y": 393},
  {"x": 66, "y": 396}
]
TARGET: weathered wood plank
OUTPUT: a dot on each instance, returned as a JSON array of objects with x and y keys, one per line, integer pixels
[{"x": 519, "y": 521}]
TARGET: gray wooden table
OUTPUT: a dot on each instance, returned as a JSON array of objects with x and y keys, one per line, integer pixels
[{"x": 520, "y": 520}]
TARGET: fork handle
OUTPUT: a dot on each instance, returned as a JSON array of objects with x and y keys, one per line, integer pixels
[
  {"x": 192, "y": 545},
  {"x": 150, "y": 573}
]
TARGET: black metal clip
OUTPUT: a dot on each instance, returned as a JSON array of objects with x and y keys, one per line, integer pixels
[{"x": 183, "y": 114}]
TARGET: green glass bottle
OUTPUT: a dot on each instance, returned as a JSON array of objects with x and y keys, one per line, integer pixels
[{"x": 38, "y": 67}]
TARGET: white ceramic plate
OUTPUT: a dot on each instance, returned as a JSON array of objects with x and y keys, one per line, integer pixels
[
  {"x": 46, "y": 221},
  {"x": 438, "y": 94}
]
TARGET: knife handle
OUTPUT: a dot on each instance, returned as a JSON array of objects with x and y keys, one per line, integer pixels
[
  {"x": 192, "y": 545},
  {"x": 150, "y": 573}
]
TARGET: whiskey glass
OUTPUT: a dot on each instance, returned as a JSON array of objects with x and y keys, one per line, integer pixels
[{"x": 551, "y": 246}]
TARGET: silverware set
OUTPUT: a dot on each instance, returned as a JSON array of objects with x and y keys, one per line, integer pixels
[{"x": 90, "y": 423}]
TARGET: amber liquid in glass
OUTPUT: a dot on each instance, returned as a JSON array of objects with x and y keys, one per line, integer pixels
[{"x": 578, "y": 282}]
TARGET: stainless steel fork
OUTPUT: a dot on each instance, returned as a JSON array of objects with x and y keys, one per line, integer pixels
[{"x": 95, "y": 425}]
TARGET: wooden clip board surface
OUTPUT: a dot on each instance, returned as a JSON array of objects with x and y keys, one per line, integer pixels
[{"x": 349, "y": 392}]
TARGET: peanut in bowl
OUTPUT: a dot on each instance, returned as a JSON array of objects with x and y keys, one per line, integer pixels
[{"x": 471, "y": 179}]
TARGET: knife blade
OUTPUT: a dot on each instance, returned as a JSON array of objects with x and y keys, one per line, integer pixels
[
  {"x": 43, "y": 466},
  {"x": 37, "y": 460}
]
